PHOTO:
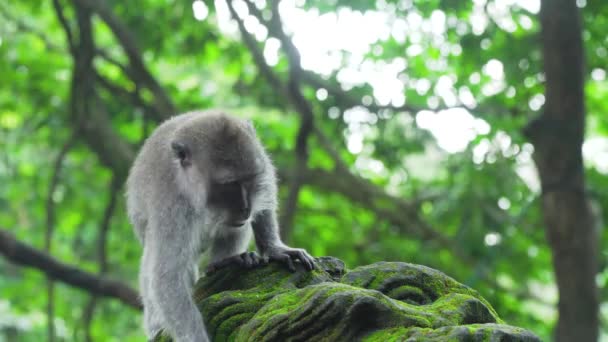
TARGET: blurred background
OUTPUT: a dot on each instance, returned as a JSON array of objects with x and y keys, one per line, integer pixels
[{"x": 402, "y": 131}]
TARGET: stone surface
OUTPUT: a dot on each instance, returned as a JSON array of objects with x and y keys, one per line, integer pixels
[{"x": 385, "y": 301}]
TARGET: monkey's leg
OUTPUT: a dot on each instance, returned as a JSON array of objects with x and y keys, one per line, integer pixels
[
  {"x": 152, "y": 317},
  {"x": 169, "y": 261}
]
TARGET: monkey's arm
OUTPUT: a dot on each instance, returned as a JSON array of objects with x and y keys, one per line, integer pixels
[
  {"x": 270, "y": 246},
  {"x": 169, "y": 259}
]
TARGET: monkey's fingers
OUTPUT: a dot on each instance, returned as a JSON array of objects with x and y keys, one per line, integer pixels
[
  {"x": 214, "y": 266},
  {"x": 305, "y": 258},
  {"x": 232, "y": 260},
  {"x": 284, "y": 258},
  {"x": 250, "y": 259},
  {"x": 265, "y": 260},
  {"x": 257, "y": 259}
]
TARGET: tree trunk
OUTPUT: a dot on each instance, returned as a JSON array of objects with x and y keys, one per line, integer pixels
[{"x": 557, "y": 137}]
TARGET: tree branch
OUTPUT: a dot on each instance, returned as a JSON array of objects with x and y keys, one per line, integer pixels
[
  {"x": 258, "y": 56},
  {"x": 365, "y": 192},
  {"x": 557, "y": 137},
  {"x": 66, "y": 26},
  {"x": 50, "y": 227},
  {"x": 304, "y": 108},
  {"x": 132, "y": 97},
  {"x": 344, "y": 98},
  {"x": 140, "y": 72},
  {"x": 22, "y": 254},
  {"x": 117, "y": 154},
  {"x": 27, "y": 28},
  {"x": 91, "y": 120},
  {"x": 102, "y": 258},
  {"x": 104, "y": 54},
  {"x": 275, "y": 29},
  {"x": 301, "y": 105},
  {"x": 393, "y": 209}
]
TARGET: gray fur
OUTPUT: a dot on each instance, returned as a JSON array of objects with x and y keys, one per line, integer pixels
[{"x": 168, "y": 205}]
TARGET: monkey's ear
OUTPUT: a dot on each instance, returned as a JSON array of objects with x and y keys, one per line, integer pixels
[{"x": 182, "y": 153}]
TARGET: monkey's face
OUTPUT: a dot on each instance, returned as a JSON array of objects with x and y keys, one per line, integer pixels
[
  {"x": 233, "y": 185},
  {"x": 222, "y": 163},
  {"x": 232, "y": 200},
  {"x": 227, "y": 192}
]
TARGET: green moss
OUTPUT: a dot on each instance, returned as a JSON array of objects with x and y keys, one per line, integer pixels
[
  {"x": 228, "y": 328},
  {"x": 387, "y": 335},
  {"x": 386, "y": 301}
]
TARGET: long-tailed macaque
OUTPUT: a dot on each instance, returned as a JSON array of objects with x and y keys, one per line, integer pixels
[{"x": 201, "y": 182}]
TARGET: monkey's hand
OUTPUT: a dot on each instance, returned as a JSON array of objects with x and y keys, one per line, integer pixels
[
  {"x": 246, "y": 260},
  {"x": 288, "y": 255}
]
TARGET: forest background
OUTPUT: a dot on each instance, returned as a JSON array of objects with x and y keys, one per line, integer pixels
[{"x": 468, "y": 136}]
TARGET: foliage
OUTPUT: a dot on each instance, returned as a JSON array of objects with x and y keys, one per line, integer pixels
[{"x": 482, "y": 195}]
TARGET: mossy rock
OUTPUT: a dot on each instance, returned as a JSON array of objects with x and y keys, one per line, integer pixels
[{"x": 385, "y": 301}]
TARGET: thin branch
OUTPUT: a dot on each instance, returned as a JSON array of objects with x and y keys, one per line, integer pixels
[
  {"x": 140, "y": 73},
  {"x": 66, "y": 26},
  {"x": 50, "y": 228},
  {"x": 82, "y": 82},
  {"x": 27, "y": 28},
  {"x": 344, "y": 98},
  {"x": 105, "y": 55},
  {"x": 290, "y": 50},
  {"x": 113, "y": 151},
  {"x": 51, "y": 46},
  {"x": 396, "y": 211},
  {"x": 117, "y": 154},
  {"x": 87, "y": 109},
  {"x": 301, "y": 105},
  {"x": 304, "y": 108},
  {"x": 102, "y": 259},
  {"x": 50, "y": 203},
  {"x": 22, "y": 254},
  {"x": 132, "y": 97},
  {"x": 399, "y": 212},
  {"x": 386, "y": 206},
  {"x": 256, "y": 53},
  {"x": 326, "y": 144},
  {"x": 296, "y": 73}
]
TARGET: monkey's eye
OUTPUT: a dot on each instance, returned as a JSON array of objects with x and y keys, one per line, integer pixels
[{"x": 181, "y": 152}]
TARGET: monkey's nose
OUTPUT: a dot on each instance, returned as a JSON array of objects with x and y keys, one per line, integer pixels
[
  {"x": 245, "y": 211},
  {"x": 238, "y": 223},
  {"x": 244, "y": 214}
]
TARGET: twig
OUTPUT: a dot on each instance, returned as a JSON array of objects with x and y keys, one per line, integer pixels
[
  {"x": 64, "y": 23},
  {"x": 22, "y": 254},
  {"x": 140, "y": 74},
  {"x": 87, "y": 109},
  {"x": 133, "y": 98},
  {"x": 102, "y": 259},
  {"x": 104, "y": 54},
  {"x": 22, "y": 26},
  {"x": 50, "y": 227},
  {"x": 301, "y": 105}
]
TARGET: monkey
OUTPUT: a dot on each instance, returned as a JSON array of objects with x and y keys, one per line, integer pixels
[{"x": 201, "y": 183}]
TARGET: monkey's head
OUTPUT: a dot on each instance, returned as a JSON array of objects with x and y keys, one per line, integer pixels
[{"x": 220, "y": 165}]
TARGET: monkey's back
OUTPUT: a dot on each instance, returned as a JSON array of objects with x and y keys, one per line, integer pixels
[{"x": 151, "y": 176}]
